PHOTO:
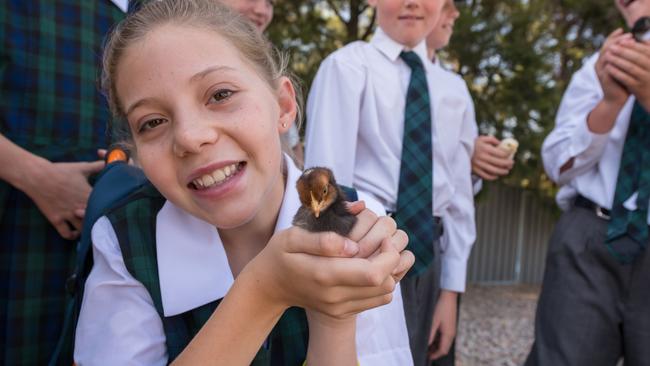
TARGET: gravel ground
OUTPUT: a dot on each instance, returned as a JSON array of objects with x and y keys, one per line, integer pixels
[{"x": 496, "y": 325}]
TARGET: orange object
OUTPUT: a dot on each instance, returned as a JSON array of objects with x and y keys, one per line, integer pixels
[{"x": 116, "y": 154}]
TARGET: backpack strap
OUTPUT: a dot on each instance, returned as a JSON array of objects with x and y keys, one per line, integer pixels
[
  {"x": 112, "y": 187},
  {"x": 135, "y": 228}
]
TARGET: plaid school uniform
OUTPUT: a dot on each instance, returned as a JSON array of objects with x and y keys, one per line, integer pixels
[
  {"x": 135, "y": 228},
  {"x": 49, "y": 105}
]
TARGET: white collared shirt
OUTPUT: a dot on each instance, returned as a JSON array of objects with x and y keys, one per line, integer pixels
[
  {"x": 119, "y": 325},
  {"x": 597, "y": 157},
  {"x": 355, "y": 125},
  {"x": 122, "y": 4},
  {"x": 455, "y": 123}
]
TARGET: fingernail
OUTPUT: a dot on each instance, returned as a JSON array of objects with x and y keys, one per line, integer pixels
[{"x": 350, "y": 248}]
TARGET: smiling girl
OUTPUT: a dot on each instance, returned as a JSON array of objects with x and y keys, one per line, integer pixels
[{"x": 202, "y": 265}]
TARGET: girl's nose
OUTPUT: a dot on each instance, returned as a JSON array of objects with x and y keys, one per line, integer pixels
[{"x": 191, "y": 136}]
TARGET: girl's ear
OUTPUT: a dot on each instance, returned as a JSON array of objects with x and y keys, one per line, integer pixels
[{"x": 288, "y": 105}]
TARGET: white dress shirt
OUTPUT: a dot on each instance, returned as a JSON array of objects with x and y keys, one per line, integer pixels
[
  {"x": 122, "y": 4},
  {"x": 597, "y": 157},
  {"x": 455, "y": 123},
  {"x": 119, "y": 325},
  {"x": 355, "y": 115}
]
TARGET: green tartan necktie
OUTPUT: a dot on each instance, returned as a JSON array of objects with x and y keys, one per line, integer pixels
[
  {"x": 414, "y": 213},
  {"x": 633, "y": 176}
]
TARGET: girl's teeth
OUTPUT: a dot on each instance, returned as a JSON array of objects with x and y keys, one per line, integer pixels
[
  {"x": 208, "y": 180},
  {"x": 217, "y": 177}
]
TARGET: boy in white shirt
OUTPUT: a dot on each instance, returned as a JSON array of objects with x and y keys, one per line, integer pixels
[
  {"x": 359, "y": 107},
  {"x": 594, "y": 306}
]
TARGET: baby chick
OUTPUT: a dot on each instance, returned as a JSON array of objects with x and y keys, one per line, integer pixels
[
  {"x": 509, "y": 145},
  {"x": 323, "y": 203}
]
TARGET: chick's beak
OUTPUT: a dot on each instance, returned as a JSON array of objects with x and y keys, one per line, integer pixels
[{"x": 316, "y": 205}]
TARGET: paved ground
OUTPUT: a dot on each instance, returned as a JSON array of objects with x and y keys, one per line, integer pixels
[{"x": 496, "y": 325}]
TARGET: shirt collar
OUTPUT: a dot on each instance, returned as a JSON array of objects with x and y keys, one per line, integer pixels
[
  {"x": 192, "y": 263},
  {"x": 392, "y": 49},
  {"x": 122, "y": 4}
]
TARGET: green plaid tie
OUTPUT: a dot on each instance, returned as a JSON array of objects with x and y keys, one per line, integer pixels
[
  {"x": 633, "y": 176},
  {"x": 414, "y": 212}
]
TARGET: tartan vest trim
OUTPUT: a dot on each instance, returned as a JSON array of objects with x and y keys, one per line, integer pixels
[{"x": 135, "y": 227}]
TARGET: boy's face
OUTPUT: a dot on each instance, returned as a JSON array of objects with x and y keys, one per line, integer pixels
[
  {"x": 632, "y": 10},
  {"x": 260, "y": 12},
  {"x": 444, "y": 28},
  {"x": 407, "y": 22}
]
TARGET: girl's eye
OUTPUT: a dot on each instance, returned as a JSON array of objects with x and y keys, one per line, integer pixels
[
  {"x": 221, "y": 95},
  {"x": 151, "y": 124}
]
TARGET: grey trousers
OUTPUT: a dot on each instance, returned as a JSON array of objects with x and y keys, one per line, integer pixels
[
  {"x": 592, "y": 310},
  {"x": 419, "y": 295}
]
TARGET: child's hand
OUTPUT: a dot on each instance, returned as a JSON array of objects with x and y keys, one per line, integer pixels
[
  {"x": 443, "y": 327},
  {"x": 629, "y": 64},
  {"x": 316, "y": 271},
  {"x": 60, "y": 191},
  {"x": 372, "y": 231},
  {"x": 614, "y": 90},
  {"x": 488, "y": 161}
]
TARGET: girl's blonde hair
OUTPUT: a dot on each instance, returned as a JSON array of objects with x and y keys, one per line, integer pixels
[{"x": 207, "y": 14}]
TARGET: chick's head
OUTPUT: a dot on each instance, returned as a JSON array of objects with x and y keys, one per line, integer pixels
[{"x": 317, "y": 189}]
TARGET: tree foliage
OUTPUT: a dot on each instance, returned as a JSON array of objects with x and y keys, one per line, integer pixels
[{"x": 517, "y": 57}]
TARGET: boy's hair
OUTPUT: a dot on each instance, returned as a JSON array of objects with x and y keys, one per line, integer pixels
[{"x": 206, "y": 14}]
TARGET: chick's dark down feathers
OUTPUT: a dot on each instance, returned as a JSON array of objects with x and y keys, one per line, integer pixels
[{"x": 334, "y": 216}]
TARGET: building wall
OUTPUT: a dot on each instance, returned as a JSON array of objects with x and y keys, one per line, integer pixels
[{"x": 513, "y": 228}]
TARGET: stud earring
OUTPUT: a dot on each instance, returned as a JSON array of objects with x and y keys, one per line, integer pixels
[{"x": 284, "y": 125}]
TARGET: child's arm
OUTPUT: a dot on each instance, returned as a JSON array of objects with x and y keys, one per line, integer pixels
[
  {"x": 458, "y": 238},
  {"x": 333, "y": 110},
  {"x": 298, "y": 268},
  {"x": 60, "y": 190},
  {"x": 589, "y": 110}
]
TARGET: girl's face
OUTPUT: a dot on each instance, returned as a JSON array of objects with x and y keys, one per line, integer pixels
[
  {"x": 205, "y": 125},
  {"x": 259, "y": 12}
]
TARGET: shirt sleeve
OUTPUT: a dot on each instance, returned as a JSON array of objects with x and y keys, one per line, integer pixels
[
  {"x": 381, "y": 336},
  {"x": 571, "y": 138},
  {"x": 118, "y": 323},
  {"x": 333, "y": 110},
  {"x": 459, "y": 221}
]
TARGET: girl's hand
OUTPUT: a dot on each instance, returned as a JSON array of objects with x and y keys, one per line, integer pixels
[
  {"x": 316, "y": 271},
  {"x": 488, "y": 161}
]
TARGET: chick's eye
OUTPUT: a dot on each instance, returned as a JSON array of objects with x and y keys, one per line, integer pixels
[
  {"x": 325, "y": 190},
  {"x": 221, "y": 95},
  {"x": 151, "y": 124}
]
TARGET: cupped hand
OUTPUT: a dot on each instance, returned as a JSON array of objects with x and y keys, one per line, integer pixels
[
  {"x": 614, "y": 90},
  {"x": 628, "y": 62},
  {"x": 317, "y": 271},
  {"x": 488, "y": 161}
]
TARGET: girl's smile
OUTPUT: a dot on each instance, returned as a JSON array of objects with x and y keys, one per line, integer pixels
[{"x": 206, "y": 125}]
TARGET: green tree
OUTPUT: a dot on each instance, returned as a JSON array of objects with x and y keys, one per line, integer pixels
[
  {"x": 517, "y": 57},
  {"x": 309, "y": 30}
]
